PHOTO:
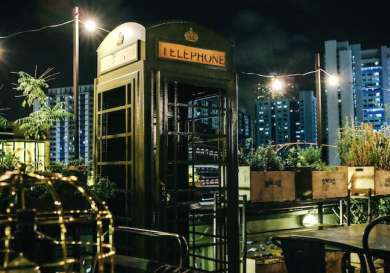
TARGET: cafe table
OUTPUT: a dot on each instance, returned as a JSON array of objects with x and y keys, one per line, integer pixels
[{"x": 304, "y": 251}]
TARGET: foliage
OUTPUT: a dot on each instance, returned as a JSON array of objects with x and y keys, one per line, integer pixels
[
  {"x": 32, "y": 88},
  {"x": 38, "y": 123},
  {"x": 103, "y": 188},
  {"x": 310, "y": 157},
  {"x": 3, "y": 122},
  {"x": 363, "y": 146},
  {"x": 292, "y": 158},
  {"x": 8, "y": 161},
  {"x": 265, "y": 158}
]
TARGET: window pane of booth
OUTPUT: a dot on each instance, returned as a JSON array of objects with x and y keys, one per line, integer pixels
[{"x": 114, "y": 97}]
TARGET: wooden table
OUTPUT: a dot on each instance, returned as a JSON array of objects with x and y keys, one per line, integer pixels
[{"x": 305, "y": 251}]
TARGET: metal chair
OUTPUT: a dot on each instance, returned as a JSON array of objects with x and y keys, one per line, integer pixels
[{"x": 369, "y": 252}]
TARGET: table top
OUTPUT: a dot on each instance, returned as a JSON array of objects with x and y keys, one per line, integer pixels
[{"x": 347, "y": 237}]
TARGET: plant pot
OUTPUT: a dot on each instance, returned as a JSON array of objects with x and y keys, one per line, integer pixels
[
  {"x": 329, "y": 184},
  {"x": 360, "y": 179},
  {"x": 320, "y": 184},
  {"x": 272, "y": 186},
  {"x": 382, "y": 182}
]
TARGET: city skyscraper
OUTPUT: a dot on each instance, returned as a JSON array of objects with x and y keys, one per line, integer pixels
[
  {"x": 363, "y": 95},
  {"x": 286, "y": 120},
  {"x": 275, "y": 121},
  {"x": 244, "y": 129},
  {"x": 62, "y": 135},
  {"x": 308, "y": 116}
]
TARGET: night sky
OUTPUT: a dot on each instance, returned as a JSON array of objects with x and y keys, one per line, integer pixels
[{"x": 270, "y": 36}]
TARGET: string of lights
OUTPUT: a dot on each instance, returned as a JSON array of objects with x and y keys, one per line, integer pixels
[
  {"x": 287, "y": 75},
  {"x": 35, "y": 30}
]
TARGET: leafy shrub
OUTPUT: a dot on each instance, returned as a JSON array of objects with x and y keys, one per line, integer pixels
[
  {"x": 103, "y": 188},
  {"x": 265, "y": 158},
  {"x": 8, "y": 161},
  {"x": 364, "y": 146}
]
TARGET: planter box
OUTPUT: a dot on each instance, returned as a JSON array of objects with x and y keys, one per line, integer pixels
[
  {"x": 321, "y": 184},
  {"x": 360, "y": 179},
  {"x": 272, "y": 186},
  {"x": 329, "y": 184},
  {"x": 382, "y": 182}
]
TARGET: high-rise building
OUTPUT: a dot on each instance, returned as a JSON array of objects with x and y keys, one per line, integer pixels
[
  {"x": 286, "y": 120},
  {"x": 276, "y": 121},
  {"x": 363, "y": 95},
  {"x": 244, "y": 129},
  {"x": 62, "y": 135},
  {"x": 308, "y": 116}
]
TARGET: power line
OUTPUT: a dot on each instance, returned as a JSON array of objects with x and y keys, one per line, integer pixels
[{"x": 35, "y": 30}]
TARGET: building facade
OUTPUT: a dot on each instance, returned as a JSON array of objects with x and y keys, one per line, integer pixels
[
  {"x": 245, "y": 127},
  {"x": 363, "y": 95},
  {"x": 286, "y": 120},
  {"x": 62, "y": 135},
  {"x": 275, "y": 121},
  {"x": 308, "y": 116}
]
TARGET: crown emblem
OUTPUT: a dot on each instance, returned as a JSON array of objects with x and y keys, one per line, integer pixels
[{"x": 191, "y": 36}]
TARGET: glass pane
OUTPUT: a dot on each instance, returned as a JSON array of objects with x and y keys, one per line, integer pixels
[
  {"x": 116, "y": 173},
  {"x": 114, "y": 123},
  {"x": 114, "y": 97},
  {"x": 114, "y": 149}
]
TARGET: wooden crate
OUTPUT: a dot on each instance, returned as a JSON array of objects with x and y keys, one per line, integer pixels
[
  {"x": 382, "y": 182},
  {"x": 272, "y": 186},
  {"x": 360, "y": 179},
  {"x": 329, "y": 184}
]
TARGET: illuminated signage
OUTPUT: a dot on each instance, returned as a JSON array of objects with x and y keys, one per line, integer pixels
[{"x": 191, "y": 54}]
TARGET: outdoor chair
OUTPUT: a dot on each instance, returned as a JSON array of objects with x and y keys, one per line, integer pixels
[{"x": 371, "y": 253}]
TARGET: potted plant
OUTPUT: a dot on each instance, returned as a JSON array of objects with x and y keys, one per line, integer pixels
[
  {"x": 268, "y": 181},
  {"x": 313, "y": 178},
  {"x": 365, "y": 154}
]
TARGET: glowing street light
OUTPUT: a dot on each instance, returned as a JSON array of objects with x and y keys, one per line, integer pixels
[
  {"x": 333, "y": 80},
  {"x": 277, "y": 85},
  {"x": 90, "y": 25}
]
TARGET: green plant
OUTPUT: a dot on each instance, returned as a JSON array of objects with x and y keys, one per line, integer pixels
[
  {"x": 309, "y": 157},
  {"x": 3, "y": 122},
  {"x": 37, "y": 124},
  {"x": 364, "y": 146},
  {"x": 103, "y": 188},
  {"x": 265, "y": 158},
  {"x": 32, "y": 87},
  {"x": 8, "y": 161}
]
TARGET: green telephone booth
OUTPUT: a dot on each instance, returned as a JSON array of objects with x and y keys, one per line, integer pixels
[{"x": 166, "y": 134}]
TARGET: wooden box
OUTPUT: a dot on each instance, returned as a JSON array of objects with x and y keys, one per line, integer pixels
[
  {"x": 272, "y": 186},
  {"x": 382, "y": 182},
  {"x": 360, "y": 179},
  {"x": 321, "y": 184},
  {"x": 329, "y": 184}
]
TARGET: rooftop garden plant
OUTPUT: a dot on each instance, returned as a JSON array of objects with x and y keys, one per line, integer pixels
[{"x": 364, "y": 146}]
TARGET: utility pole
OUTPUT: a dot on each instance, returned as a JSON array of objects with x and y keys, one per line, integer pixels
[
  {"x": 76, "y": 81},
  {"x": 317, "y": 68}
]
